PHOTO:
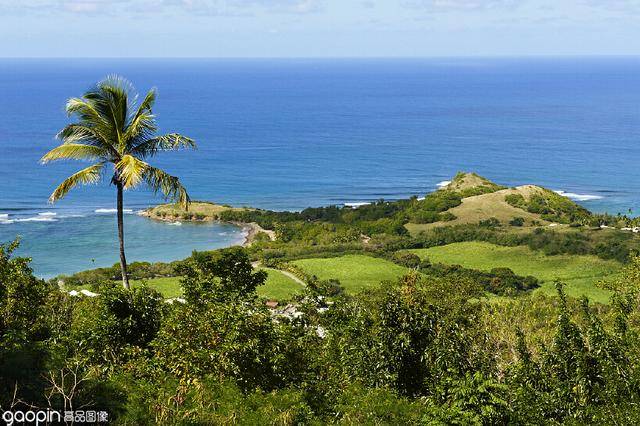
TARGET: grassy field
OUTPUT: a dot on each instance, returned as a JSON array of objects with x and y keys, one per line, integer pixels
[
  {"x": 169, "y": 287},
  {"x": 579, "y": 273},
  {"x": 278, "y": 286},
  {"x": 355, "y": 272}
]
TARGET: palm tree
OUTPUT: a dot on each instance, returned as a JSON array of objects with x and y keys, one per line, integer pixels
[{"x": 112, "y": 128}]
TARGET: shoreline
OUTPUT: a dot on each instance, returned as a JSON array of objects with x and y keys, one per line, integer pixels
[
  {"x": 249, "y": 229},
  {"x": 252, "y": 230}
]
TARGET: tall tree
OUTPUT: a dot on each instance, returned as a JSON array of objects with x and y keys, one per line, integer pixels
[{"x": 112, "y": 128}]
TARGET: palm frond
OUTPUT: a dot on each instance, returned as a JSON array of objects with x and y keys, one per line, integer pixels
[
  {"x": 75, "y": 151},
  {"x": 146, "y": 105},
  {"x": 93, "y": 114},
  {"x": 171, "y": 141},
  {"x": 142, "y": 124},
  {"x": 118, "y": 95},
  {"x": 130, "y": 171},
  {"x": 88, "y": 135},
  {"x": 74, "y": 133},
  {"x": 87, "y": 176},
  {"x": 85, "y": 110},
  {"x": 170, "y": 186}
]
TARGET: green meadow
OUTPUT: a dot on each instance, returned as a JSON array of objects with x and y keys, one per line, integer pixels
[
  {"x": 355, "y": 272},
  {"x": 278, "y": 286},
  {"x": 579, "y": 273}
]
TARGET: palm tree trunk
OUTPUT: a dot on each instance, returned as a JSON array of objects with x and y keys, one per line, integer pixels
[{"x": 123, "y": 259}]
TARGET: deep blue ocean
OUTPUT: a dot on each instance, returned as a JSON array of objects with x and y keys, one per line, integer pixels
[{"x": 287, "y": 134}]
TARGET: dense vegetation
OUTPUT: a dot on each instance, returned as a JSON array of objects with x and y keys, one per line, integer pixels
[{"x": 423, "y": 349}]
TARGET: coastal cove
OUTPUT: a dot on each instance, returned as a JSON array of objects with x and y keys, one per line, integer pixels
[{"x": 64, "y": 244}]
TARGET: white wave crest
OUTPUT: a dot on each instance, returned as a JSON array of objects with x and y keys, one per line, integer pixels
[
  {"x": 36, "y": 219},
  {"x": 579, "y": 197},
  {"x": 443, "y": 184},
  {"x": 356, "y": 205},
  {"x": 111, "y": 211},
  {"x": 175, "y": 223},
  {"x": 41, "y": 217}
]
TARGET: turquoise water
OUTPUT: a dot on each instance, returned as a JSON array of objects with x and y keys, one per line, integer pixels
[
  {"x": 286, "y": 134},
  {"x": 75, "y": 243}
]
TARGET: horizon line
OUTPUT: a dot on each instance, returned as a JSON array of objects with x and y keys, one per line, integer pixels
[{"x": 505, "y": 56}]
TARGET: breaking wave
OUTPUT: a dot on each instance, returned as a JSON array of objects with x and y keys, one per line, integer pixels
[{"x": 579, "y": 197}]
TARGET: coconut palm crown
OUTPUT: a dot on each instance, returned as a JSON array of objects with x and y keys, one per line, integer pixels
[{"x": 117, "y": 134}]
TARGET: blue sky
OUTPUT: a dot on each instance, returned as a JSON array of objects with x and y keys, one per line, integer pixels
[{"x": 317, "y": 28}]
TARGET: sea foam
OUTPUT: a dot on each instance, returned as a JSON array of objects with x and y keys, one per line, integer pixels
[
  {"x": 579, "y": 197},
  {"x": 111, "y": 211},
  {"x": 36, "y": 219},
  {"x": 443, "y": 184},
  {"x": 356, "y": 205}
]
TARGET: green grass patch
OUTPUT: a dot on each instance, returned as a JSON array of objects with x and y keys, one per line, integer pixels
[
  {"x": 279, "y": 286},
  {"x": 579, "y": 273},
  {"x": 169, "y": 287},
  {"x": 355, "y": 272}
]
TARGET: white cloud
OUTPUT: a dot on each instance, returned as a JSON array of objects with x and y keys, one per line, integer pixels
[
  {"x": 148, "y": 7},
  {"x": 615, "y": 5},
  {"x": 461, "y": 5}
]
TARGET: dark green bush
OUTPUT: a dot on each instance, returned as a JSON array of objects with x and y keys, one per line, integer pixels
[{"x": 517, "y": 221}]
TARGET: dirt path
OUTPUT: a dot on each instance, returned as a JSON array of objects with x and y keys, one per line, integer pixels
[
  {"x": 293, "y": 277},
  {"x": 257, "y": 264}
]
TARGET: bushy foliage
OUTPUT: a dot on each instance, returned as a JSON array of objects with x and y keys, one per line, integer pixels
[
  {"x": 230, "y": 341},
  {"x": 427, "y": 349},
  {"x": 21, "y": 296},
  {"x": 587, "y": 371},
  {"x": 517, "y": 221},
  {"x": 136, "y": 270},
  {"x": 24, "y": 327},
  {"x": 117, "y": 322},
  {"x": 406, "y": 337},
  {"x": 406, "y": 259},
  {"x": 614, "y": 245},
  {"x": 551, "y": 206},
  {"x": 224, "y": 275},
  {"x": 500, "y": 281}
]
